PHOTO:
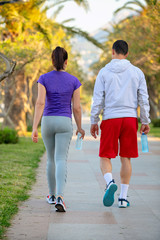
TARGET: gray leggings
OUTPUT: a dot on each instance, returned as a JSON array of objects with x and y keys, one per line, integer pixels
[{"x": 56, "y": 133}]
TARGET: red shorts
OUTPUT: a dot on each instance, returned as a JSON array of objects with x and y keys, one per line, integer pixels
[{"x": 122, "y": 130}]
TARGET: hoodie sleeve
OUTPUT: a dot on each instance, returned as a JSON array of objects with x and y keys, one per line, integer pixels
[
  {"x": 143, "y": 101},
  {"x": 98, "y": 99}
]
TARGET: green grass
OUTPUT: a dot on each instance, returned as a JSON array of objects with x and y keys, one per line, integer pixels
[
  {"x": 18, "y": 163},
  {"x": 155, "y": 131}
]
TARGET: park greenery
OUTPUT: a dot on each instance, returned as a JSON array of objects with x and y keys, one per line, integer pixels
[
  {"x": 8, "y": 135},
  {"x": 28, "y": 36},
  {"x": 18, "y": 163},
  {"x": 142, "y": 32}
]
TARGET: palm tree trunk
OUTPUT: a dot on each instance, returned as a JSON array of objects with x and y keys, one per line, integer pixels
[
  {"x": 153, "y": 97},
  {"x": 18, "y": 98}
]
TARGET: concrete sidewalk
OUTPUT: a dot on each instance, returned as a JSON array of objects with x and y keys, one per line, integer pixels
[{"x": 86, "y": 217}]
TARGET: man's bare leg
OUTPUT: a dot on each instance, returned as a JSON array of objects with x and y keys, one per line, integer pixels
[
  {"x": 105, "y": 165},
  {"x": 126, "y": 170}
]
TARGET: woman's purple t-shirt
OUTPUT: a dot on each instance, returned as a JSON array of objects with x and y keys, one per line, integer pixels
[{"x": 59, "y": 91}]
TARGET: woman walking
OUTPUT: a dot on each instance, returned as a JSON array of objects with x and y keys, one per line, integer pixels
[{"x": 56, "y": 90}]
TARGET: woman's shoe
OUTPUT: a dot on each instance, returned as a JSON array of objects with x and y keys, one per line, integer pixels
[
  {"x": 51, "y": 199},
  {"x": 60, "y": 205}
]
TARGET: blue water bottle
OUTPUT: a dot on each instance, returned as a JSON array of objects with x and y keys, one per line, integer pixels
[
  {"x": 144, "y": 143},
  {"x": 79, "y": 141}
]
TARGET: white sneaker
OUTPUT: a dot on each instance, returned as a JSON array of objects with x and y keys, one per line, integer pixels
[
  {"x": 123, "y": 203},
  {"x": 51, "y": 199},
  {"x": 60, "y": 205},
  {"x": 108, "y": 198}
]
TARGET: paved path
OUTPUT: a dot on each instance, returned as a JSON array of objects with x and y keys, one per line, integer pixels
[{"x": 86, "y": 217}]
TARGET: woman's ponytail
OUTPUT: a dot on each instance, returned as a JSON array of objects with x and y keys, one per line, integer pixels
[{"x": 59, "y": 56}]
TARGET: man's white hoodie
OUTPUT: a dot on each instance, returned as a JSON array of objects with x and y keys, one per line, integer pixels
[{"x": 119, "y": 88}]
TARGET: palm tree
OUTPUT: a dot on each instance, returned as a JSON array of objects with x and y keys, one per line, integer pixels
[
  {"x": 39, "y": 26},
  {"x": 10, "y": 65},
  {"x": 21, "y": 20}
]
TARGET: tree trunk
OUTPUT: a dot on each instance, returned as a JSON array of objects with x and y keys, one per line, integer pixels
[
  {"x": 18, "y": 97},
  {"x": 10, "y": 66},
  {"x": 153, "y": 97}
]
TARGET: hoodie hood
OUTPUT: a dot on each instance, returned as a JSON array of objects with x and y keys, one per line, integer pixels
[{"x": 118, "y": 65}]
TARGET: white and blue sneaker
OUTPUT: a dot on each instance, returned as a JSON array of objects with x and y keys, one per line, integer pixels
[
  {"x": 60, "y": 205},
  {"x": 123, "y": 203},
  {"x": 108, "y": 198},
  {"x": 51, "y": 199}
]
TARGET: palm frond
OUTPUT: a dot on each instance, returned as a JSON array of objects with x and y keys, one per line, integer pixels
[
  {"x": 129, "y": 8},
  {"x": 68, "y": 20},
  {"x": 139, "y": 3},
  {"x": 54, "y": 4},
  {"x": 83, "y": 3},
  {"x": 77, "y": 31},
  {"x": 40, "y": 29},
  {"x": 125, "y": 6},
  {"x": 39, "y": 2},
  {"x": 55, "y": 14}
]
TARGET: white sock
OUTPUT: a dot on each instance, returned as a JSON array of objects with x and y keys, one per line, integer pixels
[
  {"x": 108, "y": 177},
  {"x": 124, "y": 190}
]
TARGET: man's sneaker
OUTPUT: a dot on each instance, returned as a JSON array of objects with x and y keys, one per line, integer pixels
[
  {"x": 51, "y": 199},
  {"x": 108, "y": 198},
  {"x": 123, "y": 203},
  {"x": 60, "y": 205}
]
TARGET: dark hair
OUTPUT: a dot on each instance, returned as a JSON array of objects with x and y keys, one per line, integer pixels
[
  {"x": 59, "y": 55},
  {"x": 121, "y": 47}
]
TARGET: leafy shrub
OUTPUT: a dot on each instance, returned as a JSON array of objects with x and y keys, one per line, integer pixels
[
  {"x": 156, "y": 122},
  {"x": 8, "y": 135}
]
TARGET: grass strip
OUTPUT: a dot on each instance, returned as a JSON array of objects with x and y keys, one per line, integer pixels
[
  {"x": 18, "y": 163},
  {"x": 155, "y": 131}
]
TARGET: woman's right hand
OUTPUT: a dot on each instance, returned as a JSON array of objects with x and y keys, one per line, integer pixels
[
  {"x": 35, "y": 135},
  {"x": 81, "y": 131}
]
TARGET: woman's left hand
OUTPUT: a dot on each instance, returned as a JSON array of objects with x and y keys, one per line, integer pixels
[{"x": 35, "y": 135}]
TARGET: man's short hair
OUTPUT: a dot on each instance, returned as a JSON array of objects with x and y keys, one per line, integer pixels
[{"x": 121, "y": 47}]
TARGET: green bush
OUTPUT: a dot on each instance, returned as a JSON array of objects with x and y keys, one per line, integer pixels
[
  {"x": 156, "y": 122},
  {"x": 8, "y": 135}
]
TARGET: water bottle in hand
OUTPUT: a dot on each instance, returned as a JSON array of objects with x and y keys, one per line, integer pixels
[
  {"x": 79, "y": 141},
  {"x": 144, "y": 143}
]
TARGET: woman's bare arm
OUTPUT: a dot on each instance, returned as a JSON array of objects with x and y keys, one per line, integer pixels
[
  {"x": 39, "y": 107},
  {"x": 77, "y": 111}
]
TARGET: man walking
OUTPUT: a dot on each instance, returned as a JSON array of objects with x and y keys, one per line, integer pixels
[{"x": 119, "y": 88}]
